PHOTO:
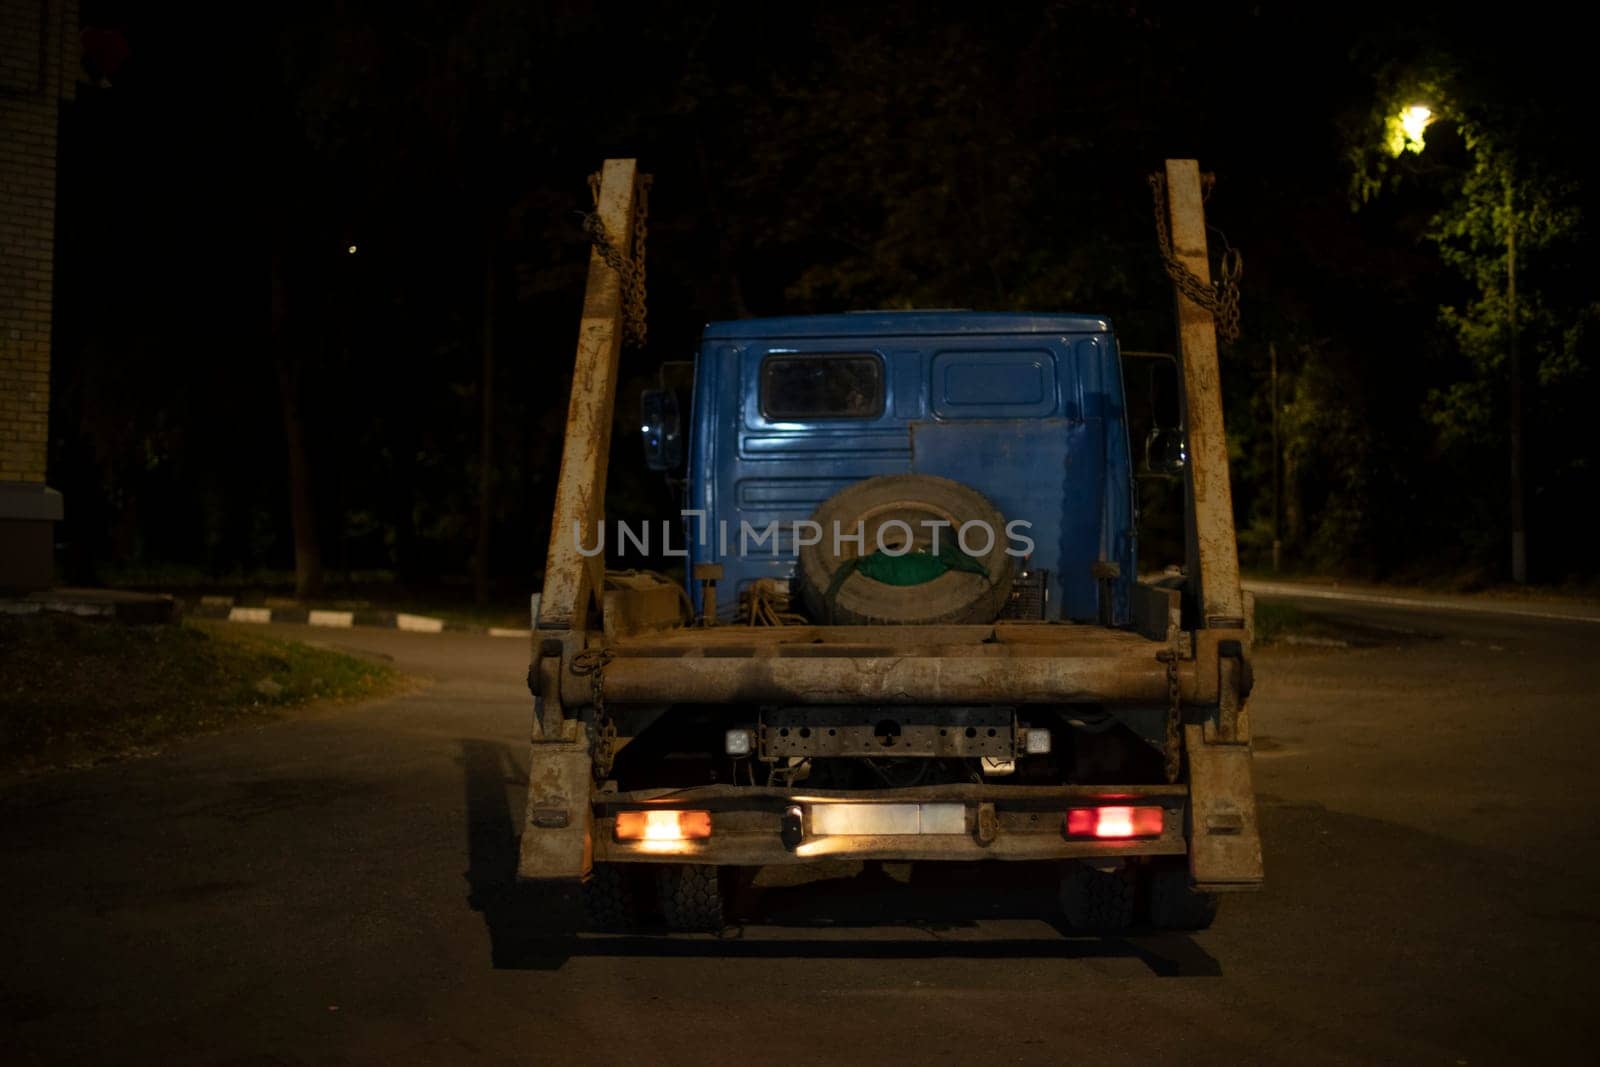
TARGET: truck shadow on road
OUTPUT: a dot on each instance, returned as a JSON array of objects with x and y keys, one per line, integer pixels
[
  {"x": 937, "y": 914},
  {"x": 1165, "y": 955}
]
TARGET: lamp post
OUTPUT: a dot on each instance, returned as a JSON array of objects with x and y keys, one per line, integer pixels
[
  {"x": 1277, "y": 477},
  {"x": 1405, "y": 135},
  {"x": 1519, "y": 539}
]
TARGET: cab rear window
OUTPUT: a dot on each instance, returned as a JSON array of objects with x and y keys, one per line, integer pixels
[{"x": 833, "y": 386}]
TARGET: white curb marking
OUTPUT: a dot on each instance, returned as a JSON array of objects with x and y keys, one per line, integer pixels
[
  {"x": 1291, "y": 592},
  {"x": 502, "y": 631},
  {"x": 249, "y": 614},
  {"x": 421, "y": 624},
  {"x": 341, "y": 619}
]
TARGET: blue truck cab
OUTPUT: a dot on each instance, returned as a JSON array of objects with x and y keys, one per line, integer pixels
[{"x": 1025, "y": 408}]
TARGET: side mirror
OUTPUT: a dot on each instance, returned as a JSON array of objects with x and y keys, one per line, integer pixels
[
  {"x": 1166, "y": 446},
  {"x": 1166, "y": 451},
  {"x": 660, "y": 429}
]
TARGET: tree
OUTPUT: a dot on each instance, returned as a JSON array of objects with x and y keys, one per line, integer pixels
[
  {"x": 1504, "y": 217},
  {"x": 288, "y": 366}
]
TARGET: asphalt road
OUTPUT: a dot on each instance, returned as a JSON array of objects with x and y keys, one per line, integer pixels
[{"x": 334, "y": 889}]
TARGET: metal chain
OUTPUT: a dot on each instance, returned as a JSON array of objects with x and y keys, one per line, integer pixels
[
  {"x": 1173, "y": 749},
  {"x": 592, "y": 661},
  {"x": 629, "y": 267},
  {"x": 1220, "y": 297}
]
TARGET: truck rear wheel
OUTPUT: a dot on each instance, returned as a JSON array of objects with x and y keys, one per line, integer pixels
[
  {"x": 691, "y": 897},
  {"x": 1175, "y": 904},
  {"x": 894, "y": 575},
  {"x": 1096, "y": 901},
  {"x": 610, "y": 901}
]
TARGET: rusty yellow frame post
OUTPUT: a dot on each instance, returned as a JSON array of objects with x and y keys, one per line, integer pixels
[
  {"x": 555, "y": 847},
  {"x": 573, "y": 582},
  {"x": 1225, "y": 838},
  {"x": 1215, "y": 566}
]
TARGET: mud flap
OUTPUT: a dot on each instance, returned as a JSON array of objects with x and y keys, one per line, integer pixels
[
  {"x": 1224, "y": 839},
  {"x": 555, "y": 832}
]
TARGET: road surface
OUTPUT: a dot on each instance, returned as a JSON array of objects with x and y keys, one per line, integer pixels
[{"x": 334, "y": 889}]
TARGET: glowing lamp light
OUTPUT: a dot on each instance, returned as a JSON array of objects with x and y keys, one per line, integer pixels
[
  {"x": 351, "y": 250},
  {"x": 1407, "y": 128},
  {"x": 1114, "y": 821},
  {"x": 1414, "y": 120},
  {"x": 662, "y": 825}
]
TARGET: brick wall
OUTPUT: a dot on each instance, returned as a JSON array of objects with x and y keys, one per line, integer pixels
[{"x": 39, "y": 66}]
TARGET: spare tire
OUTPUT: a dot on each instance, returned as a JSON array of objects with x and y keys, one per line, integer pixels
[{"x": 837, "y": 579}]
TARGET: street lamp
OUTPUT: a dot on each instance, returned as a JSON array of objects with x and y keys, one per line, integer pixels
[
  {"x": 1405, "y": 135},
  {"x": 1405, "y": 129},
  {"x": 1413, "y": 123}
]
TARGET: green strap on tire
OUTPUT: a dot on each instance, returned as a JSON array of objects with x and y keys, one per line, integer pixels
[{"x": 909, "y": 568}]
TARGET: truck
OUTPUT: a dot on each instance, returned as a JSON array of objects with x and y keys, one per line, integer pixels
[{"x": 912, "y": 627}]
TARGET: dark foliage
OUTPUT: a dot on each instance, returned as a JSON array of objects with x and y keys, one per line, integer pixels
[{"x": 815, "y": 158}]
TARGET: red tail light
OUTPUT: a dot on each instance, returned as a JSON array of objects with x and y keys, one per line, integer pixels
[
  {"x": 660, "y": 825},
  {"x": 1114, "y": 822}
]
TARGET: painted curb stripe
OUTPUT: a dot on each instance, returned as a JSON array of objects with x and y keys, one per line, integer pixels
[{"x": 341, "y": 619}]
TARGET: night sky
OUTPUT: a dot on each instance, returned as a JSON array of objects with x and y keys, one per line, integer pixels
[{"x": 806, "y": 159}]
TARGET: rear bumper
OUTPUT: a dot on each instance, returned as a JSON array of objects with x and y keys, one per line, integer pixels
[
  {"x": 1002, "y": 663},
  {"x": 973, "y": 822},
  {"x": 882, "y": 680}
]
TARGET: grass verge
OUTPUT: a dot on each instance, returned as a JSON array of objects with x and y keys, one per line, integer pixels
[{"x": 76, "y": 691}]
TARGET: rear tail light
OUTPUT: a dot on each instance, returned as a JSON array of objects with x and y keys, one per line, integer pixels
[
  {"x": 1114, "y": 822},
  {"x": 662, "y": 825}
]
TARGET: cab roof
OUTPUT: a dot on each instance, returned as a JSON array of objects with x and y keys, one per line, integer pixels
[{"x": 908, "y": 324}]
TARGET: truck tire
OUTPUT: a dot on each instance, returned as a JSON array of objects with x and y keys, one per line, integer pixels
[
  {"x": 1175, "y": 904},
  {"x": 955, "y": 596},
  {"x": 609, "y": 899},
  {"x": 1097, "y": 902},
  {"x": 691, "y": 897}
]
